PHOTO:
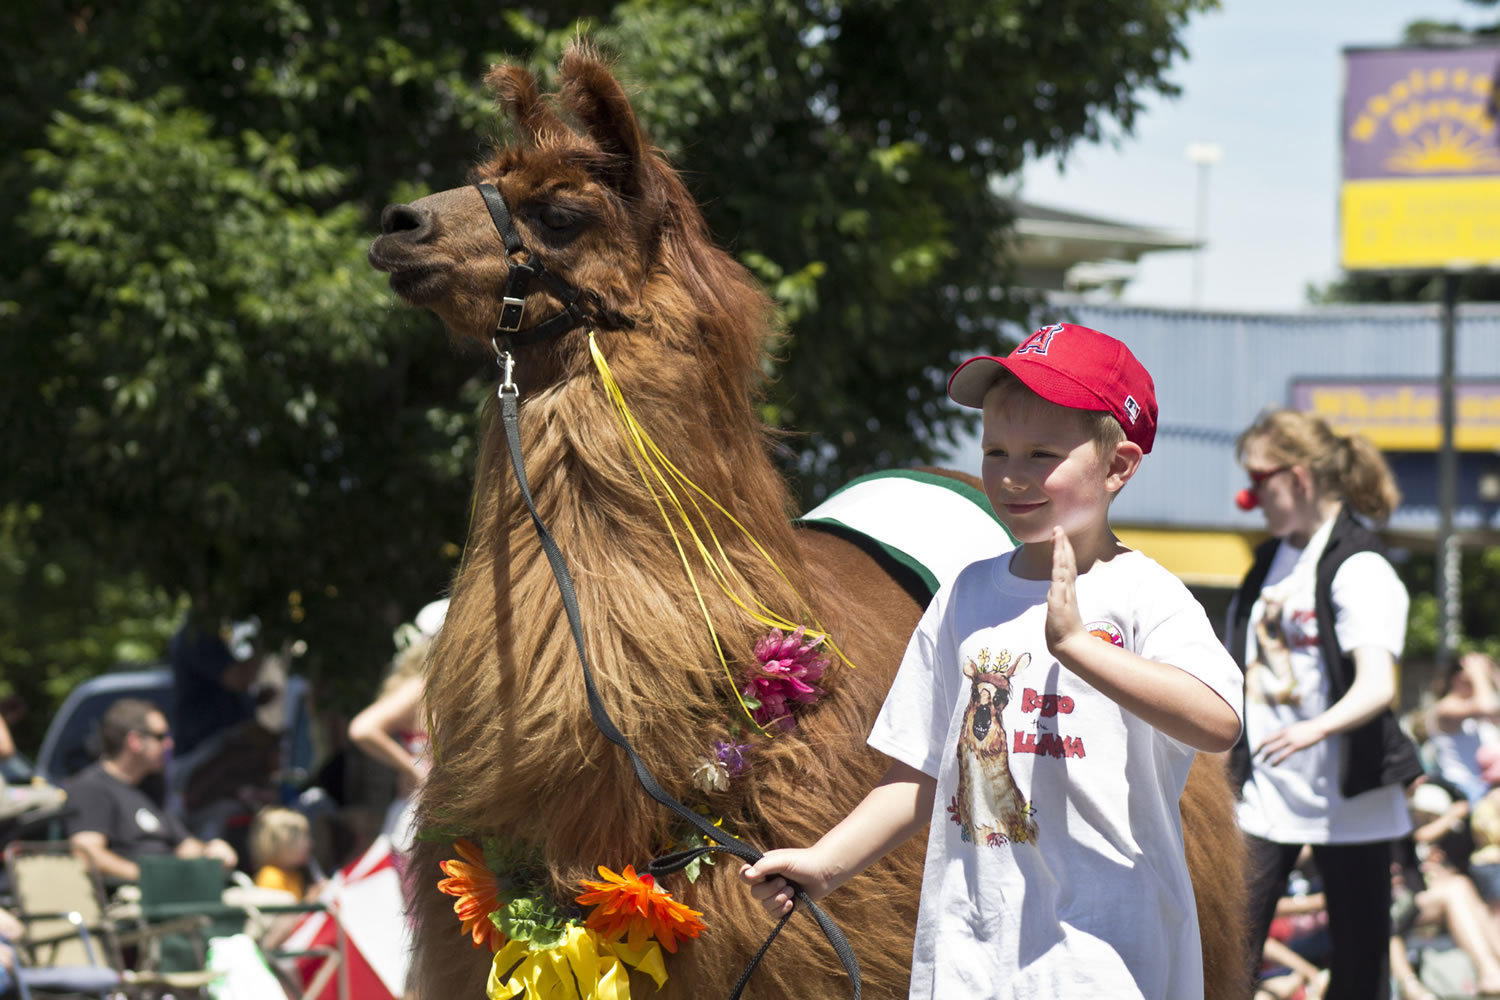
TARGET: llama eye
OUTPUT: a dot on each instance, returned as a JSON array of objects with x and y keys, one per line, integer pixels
[{"x": 557, "y": 219}]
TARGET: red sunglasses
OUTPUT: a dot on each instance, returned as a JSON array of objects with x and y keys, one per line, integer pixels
[{"x": 1246, "y": 499}]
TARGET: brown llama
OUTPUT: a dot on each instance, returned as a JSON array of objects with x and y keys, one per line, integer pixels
[{"x": 685, "y": 329}]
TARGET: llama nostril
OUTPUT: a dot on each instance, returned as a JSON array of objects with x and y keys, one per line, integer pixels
[{"x": 410, "y": 220}]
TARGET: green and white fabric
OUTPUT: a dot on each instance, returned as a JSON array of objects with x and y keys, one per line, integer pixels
[{"x": 933, "y": 524}]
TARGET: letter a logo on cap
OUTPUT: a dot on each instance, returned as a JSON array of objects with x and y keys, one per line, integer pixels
[{"x": 1038, "y": 342}]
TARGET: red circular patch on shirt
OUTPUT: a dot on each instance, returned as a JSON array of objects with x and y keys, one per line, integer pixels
[{"x": 1108, "y": 631}]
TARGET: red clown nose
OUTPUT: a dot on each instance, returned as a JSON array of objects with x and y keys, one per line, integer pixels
[{"x": 1245, "y": 499}]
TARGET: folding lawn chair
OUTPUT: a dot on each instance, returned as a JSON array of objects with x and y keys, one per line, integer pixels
[
  {"x": 177, "y": 888},
  {"x": 71, "y": 944}
]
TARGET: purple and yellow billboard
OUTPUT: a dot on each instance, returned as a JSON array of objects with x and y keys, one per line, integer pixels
[{"x": 1421, "y": 172}]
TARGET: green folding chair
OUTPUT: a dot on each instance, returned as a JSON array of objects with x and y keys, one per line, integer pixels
[{"x": 174, "y": 890}]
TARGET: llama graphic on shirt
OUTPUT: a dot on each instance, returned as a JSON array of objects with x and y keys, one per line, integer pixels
[
  {"x": 989, "y": 807},
  {"x": 1269, "y": 679}
]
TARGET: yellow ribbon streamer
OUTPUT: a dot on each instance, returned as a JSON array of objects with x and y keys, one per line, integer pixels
[
  {"x": 648, "y": 456},
  {"x": 583, "y": 967}
]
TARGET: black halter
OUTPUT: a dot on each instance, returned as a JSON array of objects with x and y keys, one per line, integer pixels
[{"x": 518, "y": 285}]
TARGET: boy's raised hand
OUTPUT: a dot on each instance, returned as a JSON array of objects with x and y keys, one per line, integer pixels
[{"x": 1063, "y": 619}]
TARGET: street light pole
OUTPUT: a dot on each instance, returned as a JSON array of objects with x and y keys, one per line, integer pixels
[{"x": 1204, "y": 155}]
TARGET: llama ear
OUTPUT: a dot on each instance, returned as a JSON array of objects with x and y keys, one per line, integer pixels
[
  {"x": 970, "y": 669},
  {"x": 598, "y": 101},
  {"x": 1018, "y": 664},
  {"x": 516, "y": 89}
]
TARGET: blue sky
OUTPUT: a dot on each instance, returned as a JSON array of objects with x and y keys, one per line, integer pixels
[{"x": 1262, "y": 80}]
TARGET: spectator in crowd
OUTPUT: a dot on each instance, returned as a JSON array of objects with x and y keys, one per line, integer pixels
[
  {"x": 281, "y": 851},
  {"x": 1440, "y": 836},
  {"x": 1463, "y": 721},
  {"x": 1484, "y": 828},
  {"x": 1431, "y": 887},
  {"x": 112, "y": 822},
  {"x": 281, "y": 854},
  {"x": 1295, "y": 955},
  {"x": 1409, "y": 985},
  {"x": 15, "y": 768},
  {"x": 393, "y": 729},
  {"x": 212, "y": 675},
  {"x": 223, "y": 757}
]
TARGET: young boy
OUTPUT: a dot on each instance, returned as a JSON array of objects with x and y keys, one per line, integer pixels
[{"x": 1046, "y": 714}]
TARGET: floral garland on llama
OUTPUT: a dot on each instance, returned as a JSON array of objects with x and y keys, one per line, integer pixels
[{"x": 546, "y": 951}]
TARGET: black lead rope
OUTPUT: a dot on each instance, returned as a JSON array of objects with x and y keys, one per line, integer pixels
[{"x": 680, "y": 859}]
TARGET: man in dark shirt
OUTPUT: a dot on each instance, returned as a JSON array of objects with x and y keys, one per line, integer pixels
[{"x": 112, "y": 822}]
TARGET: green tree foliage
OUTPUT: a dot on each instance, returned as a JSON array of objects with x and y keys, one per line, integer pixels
[
  {"x": 207, "y": 397},
  {"x": 847, "y": 152},
  {"x": 1479, "y": 603}
]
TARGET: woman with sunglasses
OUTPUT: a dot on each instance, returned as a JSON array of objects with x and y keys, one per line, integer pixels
[{"x": 1318, "y": 624}]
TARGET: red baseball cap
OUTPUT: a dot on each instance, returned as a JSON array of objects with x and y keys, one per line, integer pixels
[{"x": 1075, "y": 367}]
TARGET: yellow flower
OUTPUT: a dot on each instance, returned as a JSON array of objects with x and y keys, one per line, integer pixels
[
  {"x": 637, "y": 905},
  {"x": 478, "y": 894}
]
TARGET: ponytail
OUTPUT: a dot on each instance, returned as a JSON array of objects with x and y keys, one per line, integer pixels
[
  {"x": 1345, "y": 465},
  {"x": 1365, "y": 479}
]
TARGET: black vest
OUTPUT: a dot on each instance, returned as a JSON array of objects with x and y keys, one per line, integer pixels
[{"x": 1375, "y": 754}]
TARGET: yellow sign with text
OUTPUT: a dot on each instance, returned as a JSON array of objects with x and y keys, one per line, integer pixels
[
  {"x": 1403, "y": 416},
  {"x": 1452, "y": 222}
]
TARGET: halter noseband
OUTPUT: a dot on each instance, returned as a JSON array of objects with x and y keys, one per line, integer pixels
[{"x": 518, "y": 285}]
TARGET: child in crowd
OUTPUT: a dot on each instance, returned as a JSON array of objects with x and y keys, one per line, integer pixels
[
  {"x": 1431, "y": 889},
  {"x": 1462, "y": 723},
  {"x": 280, "y": 850},
  {"x": 1046, "y": 713}
]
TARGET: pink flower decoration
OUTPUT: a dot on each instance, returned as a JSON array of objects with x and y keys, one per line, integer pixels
[{"x": 788, "y": 668}]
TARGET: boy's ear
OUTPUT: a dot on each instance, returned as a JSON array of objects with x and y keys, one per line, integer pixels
[{"x": 1122, "y": 465}]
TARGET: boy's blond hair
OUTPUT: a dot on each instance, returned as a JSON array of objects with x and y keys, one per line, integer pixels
[
  {"x": 1104, "y": 428},
  {"x": 274, "y": 829}
]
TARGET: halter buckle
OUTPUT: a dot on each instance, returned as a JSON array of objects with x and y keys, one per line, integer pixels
[{"x": 511, "y": 311}]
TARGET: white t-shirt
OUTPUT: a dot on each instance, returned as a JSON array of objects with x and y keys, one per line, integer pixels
[
  {"x": 1054, "y": 858},
  {"x": 1298, "y": 801}
]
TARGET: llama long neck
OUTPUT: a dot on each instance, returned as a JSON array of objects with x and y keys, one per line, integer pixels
[{"x": 507, "y": 643}]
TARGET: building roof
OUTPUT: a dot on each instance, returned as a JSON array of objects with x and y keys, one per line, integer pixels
[{"x": 1055, "y": 248}]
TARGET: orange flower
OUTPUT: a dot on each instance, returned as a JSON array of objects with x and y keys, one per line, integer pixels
[
  {"x": 636, "y": 904},
  {"x": 478, "y": 894}
]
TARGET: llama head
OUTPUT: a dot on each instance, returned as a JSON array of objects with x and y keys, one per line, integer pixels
[
  {"x": 989, "y": 691},
  {"x": 596, "y": 205}
]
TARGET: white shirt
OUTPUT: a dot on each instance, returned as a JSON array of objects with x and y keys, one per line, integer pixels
[
  {"x": 1054, "y": 859},
  {"x": 1298, "y": 801}
]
